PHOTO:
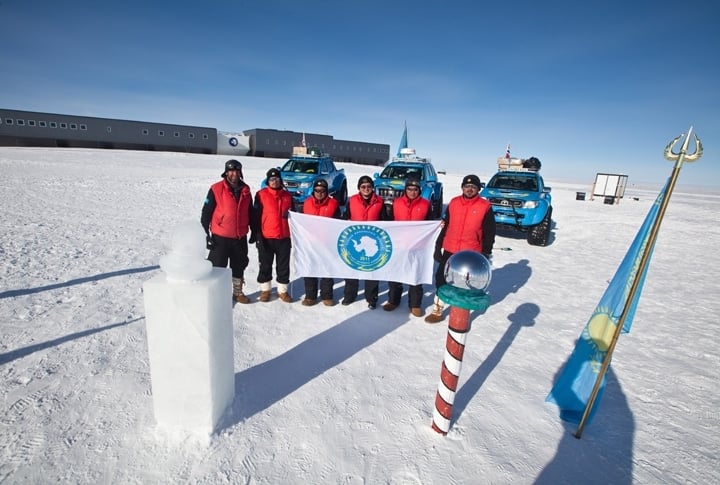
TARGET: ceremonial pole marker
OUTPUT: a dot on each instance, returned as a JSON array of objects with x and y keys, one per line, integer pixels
[{"x": 468, "y": 274}]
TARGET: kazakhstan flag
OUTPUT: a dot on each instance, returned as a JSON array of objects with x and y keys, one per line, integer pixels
[{"x": 575, "y": 383}]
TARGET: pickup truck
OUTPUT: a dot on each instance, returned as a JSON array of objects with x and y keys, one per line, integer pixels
[
  {"x": 390, "y": 183},
  {"x": 520, "y": 199},
  {"x": 304, "y": 167}
]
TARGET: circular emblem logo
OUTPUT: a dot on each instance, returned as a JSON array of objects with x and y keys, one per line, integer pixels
[
  {"x": 364, "y": 247},
  {"x": 233, "y": 141}
]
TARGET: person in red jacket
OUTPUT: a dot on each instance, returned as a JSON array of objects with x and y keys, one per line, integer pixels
[
  {"x": 323, "y": 205},
  {"x": 468, "y": 224},
  {"x": 272, "y": 205},
  {"x": 364, "y": 206},
  {"x": 225, "y": 217},
  {"x": 408, "y": 207}
]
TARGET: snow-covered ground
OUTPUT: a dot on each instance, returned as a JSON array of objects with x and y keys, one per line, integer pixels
[{"x": 344, "y": 394}]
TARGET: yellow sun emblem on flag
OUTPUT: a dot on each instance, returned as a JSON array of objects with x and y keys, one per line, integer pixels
[{"x": 601, "y": 328}]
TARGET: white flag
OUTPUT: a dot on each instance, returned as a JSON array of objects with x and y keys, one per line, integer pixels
[{"x": 399, "y": 251}]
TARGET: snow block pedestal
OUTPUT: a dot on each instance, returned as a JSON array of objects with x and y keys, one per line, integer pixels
[
  {"x": 190, "y": 343},
  {"x": 188, "y": 313}
]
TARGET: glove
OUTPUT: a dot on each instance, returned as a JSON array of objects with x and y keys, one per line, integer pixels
[
  {"x": 437, "y": 256},
  {"x": 253, "y": 238},
  {"x": 209, "y": 242}
]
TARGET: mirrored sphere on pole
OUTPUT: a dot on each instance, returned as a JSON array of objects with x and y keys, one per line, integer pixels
[{"x": 468, "y": 270}]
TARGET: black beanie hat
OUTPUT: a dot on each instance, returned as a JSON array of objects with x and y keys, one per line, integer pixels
[
  {"x": 232, "y": 165},
  {"x": 273, "y": 172},
  {"x": 365, "y": 179},
  {"x": 471, "y": 179},
  {"x": 412, "y": 182},
  {"x": 321, "y": 183}
]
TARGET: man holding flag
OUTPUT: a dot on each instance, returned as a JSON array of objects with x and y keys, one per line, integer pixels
[{"x": 366, "y": 205}]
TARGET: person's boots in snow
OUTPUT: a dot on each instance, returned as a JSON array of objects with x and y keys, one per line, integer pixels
[
  {"x": 265, "y": 291},
  {"x": 283, "y": 292},
  {"x": 437, "y": 313},
  {"x": 238, "y": 294}
]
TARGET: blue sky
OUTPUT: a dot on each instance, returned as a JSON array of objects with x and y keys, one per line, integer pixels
[{"x": 586, "y": 87}]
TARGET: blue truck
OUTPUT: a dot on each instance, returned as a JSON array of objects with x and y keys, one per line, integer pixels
[
  {"x": 390, "y": 183},
  {"x": 520, "y": 199},
  {"x": 304, "y": 167}
]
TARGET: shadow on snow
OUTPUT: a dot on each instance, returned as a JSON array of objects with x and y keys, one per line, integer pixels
[{"x": 76, "y": 281}]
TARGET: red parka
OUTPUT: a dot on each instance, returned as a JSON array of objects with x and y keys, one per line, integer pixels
[
  {"x": 471, "y": 218},
  {"x": 328, "y": 207},
  {"x": 231, "y": 216},
  {"x": 405, "y": 209},
  {"x": 360, "y": 210},
  {"x": 273, "y": 207}
]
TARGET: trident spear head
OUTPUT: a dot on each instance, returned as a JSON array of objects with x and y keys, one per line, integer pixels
[{"x": 683, "y": 155}]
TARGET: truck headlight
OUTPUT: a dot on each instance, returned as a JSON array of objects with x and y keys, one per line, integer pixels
[
  {"x": 530, "y": 204},
  {"x": 305, "y": 185}
]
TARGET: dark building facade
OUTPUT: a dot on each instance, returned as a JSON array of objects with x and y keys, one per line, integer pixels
[
  {"x": 28, "y": 128},
  {"x": 35, "y": 129},
  {"x": 279, "y": 144}
]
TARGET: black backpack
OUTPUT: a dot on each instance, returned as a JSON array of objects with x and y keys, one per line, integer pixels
[{"x": 532, "y": 163}]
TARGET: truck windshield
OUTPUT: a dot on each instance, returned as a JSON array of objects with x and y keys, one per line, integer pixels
[
  {"x": 513, "y": 183},
  {"x": 394, "y": 172},
  {"x": 298, "y": 166}
]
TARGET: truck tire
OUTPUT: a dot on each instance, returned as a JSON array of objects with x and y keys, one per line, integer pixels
[
  {"x": 538, "y": 235},
  {"x": 342, "y": 195},
  {"x": 437, "y": 207}
]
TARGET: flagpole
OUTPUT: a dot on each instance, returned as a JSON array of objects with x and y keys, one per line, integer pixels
[{"x": 679, "y": 159}]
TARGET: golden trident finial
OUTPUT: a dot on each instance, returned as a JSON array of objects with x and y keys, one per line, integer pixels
[{"x": 683, "y": 155}]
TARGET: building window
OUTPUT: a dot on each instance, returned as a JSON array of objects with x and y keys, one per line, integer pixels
[
  {"x": 161, "y": 133},
  {"x": 205, "y": 136},
  {"x": 63, "y": 126},
  {"x": 42, "y": 124},
  {"x": 109, "y": 129},
  {"x": 73, "y": 126},
  {"x": 53, "y": 124},
  {"x": 31, "y": 122},
  {"x": 20, "y": 122},
  {"x": 145, "y": 131},
  {"x": 176, "y": 134},
  {"x": 83, "y": 127},
  {"x": 191, "y": 135},
  {"x": 8, "y": 121}
]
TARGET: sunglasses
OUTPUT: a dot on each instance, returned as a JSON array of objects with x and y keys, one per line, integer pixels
[
  {"x": 366, "y": 186},
  {"x": 414, "y": 189}
]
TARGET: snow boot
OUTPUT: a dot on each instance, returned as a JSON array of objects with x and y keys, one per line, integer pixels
[
  {"x": 437, "y": 313},
  {"x": 265, "y": 291},
  {"x": 283, "y": 292},
  {"x": 238, "y": 294},
  {"x": 417, "y": 311}
]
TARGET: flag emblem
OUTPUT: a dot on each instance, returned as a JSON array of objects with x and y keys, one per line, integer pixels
[{"x": 364, "y": 247}]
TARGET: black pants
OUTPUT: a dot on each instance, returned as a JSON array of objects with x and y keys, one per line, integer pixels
[
  {"x": 371, "y": 290},
  {"x": 440, "y": 272},
  {"x": 326, "y": 288},
  {"x": 277, "y": 250},
  {"x": 235, "y": 250},
  {"x": 415, "y": 294}
]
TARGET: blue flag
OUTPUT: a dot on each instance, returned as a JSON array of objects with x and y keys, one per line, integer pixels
[
  {"x": 403, "y": 141},
  {"x": 575, "y": 383}
]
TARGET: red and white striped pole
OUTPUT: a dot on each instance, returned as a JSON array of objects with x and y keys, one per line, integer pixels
[
  {"x": 467, "y": 276},
  {"x": 458, "y": 328}
]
